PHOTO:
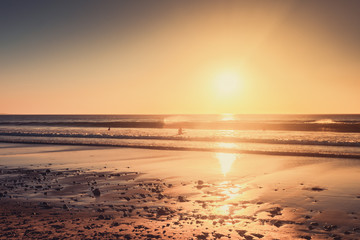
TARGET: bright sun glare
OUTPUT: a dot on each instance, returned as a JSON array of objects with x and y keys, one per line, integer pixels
[{"x": 227, "y": 83}]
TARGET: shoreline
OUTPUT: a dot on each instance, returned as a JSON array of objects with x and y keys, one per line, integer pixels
[
  {"x": 174, "y": 195},
  {"x": 186, "y": 149}
]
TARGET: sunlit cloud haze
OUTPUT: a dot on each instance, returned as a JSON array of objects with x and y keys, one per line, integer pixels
[{"x": 164, "y": 57}]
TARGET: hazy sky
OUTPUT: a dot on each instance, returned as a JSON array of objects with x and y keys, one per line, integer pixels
[{"x": 126, "y": 57}]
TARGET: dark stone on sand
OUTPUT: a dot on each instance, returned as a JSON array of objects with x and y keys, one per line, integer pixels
[
  {"x": 45, "y": 205},
  {"x": 57, "y": 226},
  {"x": 163, "y": 211},
  {"x": 278, "y": 224},
  {"x": 248, "y": 237},
  {"x": 336, "y": 237},
  {"x": 241, "y": 232},
  {"x": 329, "y": 227},
  {"x": 152, "y": 236},
  {"x": 115, "y": 224},
  {"x": 141, "y": 227},
  {"x": 218, "y": 235},
  {"x": 65, "y": 207},
  {"x": 258, "y": 235},
  {"x": 108, "y": 217},
  {"x": 96, "y": 192},
  {"x": 275, "y": 211},
  {"x": 317, "y": 189},
  {"x": 128, "y": 236},
  {"x": 200, "y": 182},
  {"x": 182, "y": 199}
]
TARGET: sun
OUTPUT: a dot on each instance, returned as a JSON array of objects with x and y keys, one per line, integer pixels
[{"x": 227, "y": 83}]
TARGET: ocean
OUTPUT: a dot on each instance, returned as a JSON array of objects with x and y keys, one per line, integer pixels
[{"x": 332, "y": 136}]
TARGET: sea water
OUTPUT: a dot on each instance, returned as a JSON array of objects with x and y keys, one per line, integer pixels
[{"x": 335, "y": 136}]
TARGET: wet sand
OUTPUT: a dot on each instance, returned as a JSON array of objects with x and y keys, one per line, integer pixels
[{"x": 54, "y": 192}]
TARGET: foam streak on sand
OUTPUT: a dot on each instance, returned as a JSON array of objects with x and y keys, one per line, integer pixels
[{"x": 51, "y": 191}]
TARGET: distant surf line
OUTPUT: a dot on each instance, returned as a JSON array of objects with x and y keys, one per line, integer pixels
[
  {"x": 351, "y": 127},
  {"x": 187, "y": 138}
]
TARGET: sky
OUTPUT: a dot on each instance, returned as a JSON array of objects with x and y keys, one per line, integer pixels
[{"x": 180, "y": 57}]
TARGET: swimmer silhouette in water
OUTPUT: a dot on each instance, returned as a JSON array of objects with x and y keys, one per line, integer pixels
[{"x": 180, "y": 131}]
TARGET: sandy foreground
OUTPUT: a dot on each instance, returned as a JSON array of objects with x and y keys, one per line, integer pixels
[{"x": 55, "y": 192}]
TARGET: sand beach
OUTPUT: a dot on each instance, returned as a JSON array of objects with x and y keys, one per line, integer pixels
[{"x": 80, "y": 192}]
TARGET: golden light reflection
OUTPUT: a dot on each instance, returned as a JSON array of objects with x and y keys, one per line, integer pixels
[
  {"x": 226, "y": 145},
  {"x": 227, "y": 117},
  {"x": 226, "y": 160},
  {"x": 226, "y": 133},
  {"x": 228, "y": 193},
  {"x": 223, "y": 210},
  {"x": 230, "y": 190}
]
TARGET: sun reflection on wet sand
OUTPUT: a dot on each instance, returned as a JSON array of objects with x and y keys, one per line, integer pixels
[
  {"x": 231, "y": 192},
  {"x": 223, "y": 210},
  {"x": 226, "y": 190},
  {"x": 226, "y": 160}
]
